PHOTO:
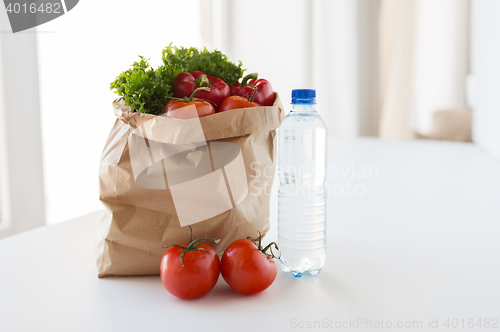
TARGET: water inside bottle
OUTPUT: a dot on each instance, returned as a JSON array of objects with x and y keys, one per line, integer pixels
[{"x": 302, "y": 195}]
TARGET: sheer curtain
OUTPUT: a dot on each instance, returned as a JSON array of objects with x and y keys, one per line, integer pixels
[
  {"x": 423, "y": 63},
  {"x": 380, "y": 67},
  {"x": 328, "y": 45}
]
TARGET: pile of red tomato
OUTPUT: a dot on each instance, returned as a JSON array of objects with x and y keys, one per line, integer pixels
[
  {"x": 211, "y": 94},
  {"x": 191, "y": 270}
]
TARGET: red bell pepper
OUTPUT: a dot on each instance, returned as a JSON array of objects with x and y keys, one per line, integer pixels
[
  {"x": 265, "y": 94},
  {"x": 186, "y": 83}
]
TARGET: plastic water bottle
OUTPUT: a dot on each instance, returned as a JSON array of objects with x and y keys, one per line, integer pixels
[{"x": 302, "y": 143}]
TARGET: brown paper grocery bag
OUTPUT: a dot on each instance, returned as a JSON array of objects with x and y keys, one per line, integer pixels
[{"x": 158, "y": 175}]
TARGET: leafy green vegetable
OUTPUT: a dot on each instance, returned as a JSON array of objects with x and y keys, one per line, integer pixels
[
  {"x": 179, "y": 59},
  {"x": 144, "y": 89},
  {"x": 147, "y": 90}
]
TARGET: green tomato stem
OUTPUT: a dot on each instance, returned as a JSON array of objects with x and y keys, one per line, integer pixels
[
  {"x": 259, "y": 246},
  {"x": 192, "y": 246},
  {"x": 190, "y": 99},
  {"x": 255, "y": 92}
]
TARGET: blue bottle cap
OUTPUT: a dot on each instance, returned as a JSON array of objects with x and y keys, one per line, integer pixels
[{"x": 304, "y": 96}]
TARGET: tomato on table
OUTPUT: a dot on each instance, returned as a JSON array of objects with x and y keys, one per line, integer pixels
[
  {"x": 246, "y": 266},
  {"x": 190, "y": 270}
]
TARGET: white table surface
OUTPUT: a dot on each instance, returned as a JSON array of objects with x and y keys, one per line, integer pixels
[{"x": 422, "y": 243}]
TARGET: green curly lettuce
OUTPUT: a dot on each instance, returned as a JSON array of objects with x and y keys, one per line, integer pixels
[
  {"x": 148, "y": 90},
  {"x": 179, "y": 59},
  {"x": 144, "y": 89}
]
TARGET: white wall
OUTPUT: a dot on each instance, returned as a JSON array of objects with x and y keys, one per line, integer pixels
[{"x": 484, "y": 82}]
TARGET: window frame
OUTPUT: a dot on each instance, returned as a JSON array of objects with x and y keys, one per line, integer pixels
[{"x": 22, "y": 203}]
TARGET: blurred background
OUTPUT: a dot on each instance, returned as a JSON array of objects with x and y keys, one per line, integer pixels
[{"x": 392, "y": 69}]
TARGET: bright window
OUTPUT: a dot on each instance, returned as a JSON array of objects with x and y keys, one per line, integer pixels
[{"x": 80, "y": 53}]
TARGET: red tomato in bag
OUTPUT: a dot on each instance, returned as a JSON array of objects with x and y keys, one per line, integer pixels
[{"x": 247, "y": 268}]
